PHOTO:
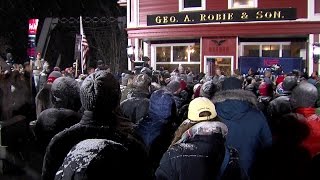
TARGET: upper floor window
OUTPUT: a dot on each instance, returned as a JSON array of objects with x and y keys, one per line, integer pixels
[
  {"x": 233, "y": 4},
  {"x": 317, "y": 6},
  {"x": 192, "y": 5}
]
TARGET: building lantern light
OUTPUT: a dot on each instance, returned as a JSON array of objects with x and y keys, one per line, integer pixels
[{"x": 316, "y": 52}]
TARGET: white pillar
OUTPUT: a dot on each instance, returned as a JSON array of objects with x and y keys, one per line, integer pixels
[{"x": 310, "y": 55}]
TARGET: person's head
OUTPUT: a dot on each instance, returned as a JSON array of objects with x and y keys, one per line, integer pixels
[
  {"x": 265, "y": 89},
  {"x": 200, "y": 109},
  {"x": 289, "y": 83},
  {"x": 53, "y": 76},
  {"x": 231, "y": 83},
  {"x": 174, "y": 87},
  {"x": 267, "y": 74},
  {"x": 100, "y": 65},
  {"x": 65, "y": 93},
  {"x": 100, "y": 93},
  {"x": 250, "y": 72},
  {"x": 208, "y": 89},
  {"x": 218, "y": 72},
  {"x": 314, "y": 74},
  {"x": 126, "y": 79},
  {"x": 142, "y": 82},
  {"x": 90, "y": 70},
  {"x": 27, "y": 66},
  {"x": 304, "y": 95}
]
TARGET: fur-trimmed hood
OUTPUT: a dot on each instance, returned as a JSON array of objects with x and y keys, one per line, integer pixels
[{"x": 236, "y": 94}]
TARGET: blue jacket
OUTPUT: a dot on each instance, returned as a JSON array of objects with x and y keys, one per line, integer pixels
[
  {"x": 248, "y": 129},
  {"x": 162, "y": 110}
]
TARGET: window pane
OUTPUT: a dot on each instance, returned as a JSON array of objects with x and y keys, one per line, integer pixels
[
  {"x": 286, "y": 51},
  {"x": 195, "y": 53},
  {"x": 316, "y": 6},
  {"x": 270, "y": 50},
  {"x": 192, "y": 3},
  {"x": 242, "y": 3},
  {"x": 180, "y": 53},
  {"x": 251, "y": 50},
  {"x": 163, "y": 54},
  {"x": 195, "y": 68}
]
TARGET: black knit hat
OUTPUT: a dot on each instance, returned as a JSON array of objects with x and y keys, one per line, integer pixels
[
  {"x": 100, "y": 92},
  {"x": 231, "y": 83},
  {"x": 304, "y": 95}
]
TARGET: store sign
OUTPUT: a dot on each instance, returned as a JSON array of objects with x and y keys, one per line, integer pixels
[
  {"x": 32, "y": 32},
  {"x": 287, "y": 64},
  {"x": 234, "y": 15}
]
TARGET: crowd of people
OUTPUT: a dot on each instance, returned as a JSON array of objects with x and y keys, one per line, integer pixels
[{"x": 156, "y": 124}]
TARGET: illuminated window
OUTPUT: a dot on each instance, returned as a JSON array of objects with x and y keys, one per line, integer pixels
[
  {"x": 170, "y": 56},
  {"x": 233, "y": 4},
  {"x": 192, "y": 5}
]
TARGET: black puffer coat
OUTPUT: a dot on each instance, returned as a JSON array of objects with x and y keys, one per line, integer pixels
[
  {"x": 52, "y": 121},
  {"x": 199, "y": 158},
  {"x": 91, "y": 127},
  {"x": 96, "y": 159}
]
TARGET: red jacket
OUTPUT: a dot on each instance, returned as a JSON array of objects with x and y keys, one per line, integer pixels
[{"x": 312, "y": 142}]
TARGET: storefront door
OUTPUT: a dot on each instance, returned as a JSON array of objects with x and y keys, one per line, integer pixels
[{"x": 224, "y": 63}]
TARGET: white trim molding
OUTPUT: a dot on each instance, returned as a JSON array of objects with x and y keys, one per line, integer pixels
[
  {"x": 253, "y": 5},
  {"x": 310, "y": 55},
  {"x": 312, "y": 16},
  {"x": 260, "y": 44},
  {"x": 181, "y": 6}
]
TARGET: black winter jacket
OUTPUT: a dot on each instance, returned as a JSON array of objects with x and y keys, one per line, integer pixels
[
  {"x": 92, "y": 128},
  {"x": 200, "y": 158}
]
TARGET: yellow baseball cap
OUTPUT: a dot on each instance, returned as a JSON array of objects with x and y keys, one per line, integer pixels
[{"x": 198, "y": 106}]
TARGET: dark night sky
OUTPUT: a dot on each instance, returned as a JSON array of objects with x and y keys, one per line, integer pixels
[{"x": 14, "y": 15}]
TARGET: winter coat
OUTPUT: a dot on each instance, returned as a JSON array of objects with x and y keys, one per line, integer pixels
[
  {"x": 278, "y": 107},
  {"x": 125, "y": 91},
  {"x": 161, "y": 113},
  {"x": 43, "y": 99},
  {"x": 198, "y": 157},
  {"x": 91, "y": 127},
  {"x": 52, "y": 121},
  {"x": 157, "y": 129},
  {"x": 248, "y": 129},
  {"x": 312, "y": 142},
  {"x": 135, "y": 108},
  {"x": 181, "y": 99},
  {"x": 93, "y": 159}
]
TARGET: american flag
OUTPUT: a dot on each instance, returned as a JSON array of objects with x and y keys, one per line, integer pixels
[
  {"x": 84, "y": 47},
  {"x": 85, "y": 50}
]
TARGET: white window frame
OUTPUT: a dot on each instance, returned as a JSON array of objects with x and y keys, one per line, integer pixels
[
  {"x": 181, "y": 6},
  {"x": 230, "y": 5},
  {"x": 311, "y": 14},
  {"x": 260, "y": 44},
  {"x": 154, "y": 54}
]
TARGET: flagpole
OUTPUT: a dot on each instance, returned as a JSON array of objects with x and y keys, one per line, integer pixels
[{"x": 81, "y": 48}]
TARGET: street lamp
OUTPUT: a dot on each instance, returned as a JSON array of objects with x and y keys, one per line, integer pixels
[
  {"x": 130, "y": 52},
  {"x": 316, "y": 52}
]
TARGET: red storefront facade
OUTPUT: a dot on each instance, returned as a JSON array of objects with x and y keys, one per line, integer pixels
[{"x": 172, "y": 44}]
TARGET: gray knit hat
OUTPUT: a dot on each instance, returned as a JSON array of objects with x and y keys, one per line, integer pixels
[
  {"x": 65, "y": 93},
  {"x": 304, "y": 95},
  {"x": 173, "y": 86},
  {"x": 100, "y": 92}
]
